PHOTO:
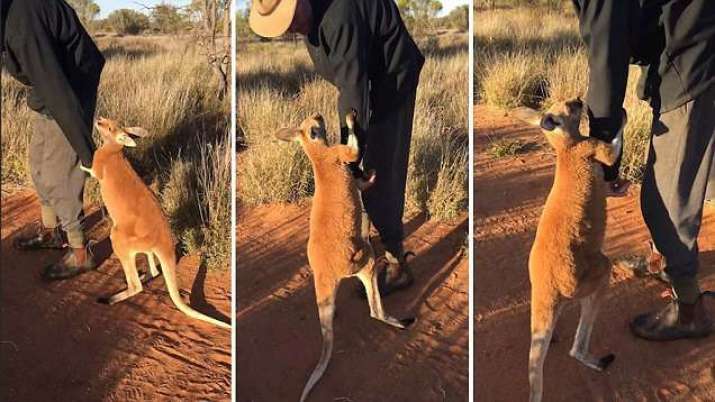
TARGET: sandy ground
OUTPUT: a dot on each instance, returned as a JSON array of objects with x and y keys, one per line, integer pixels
[
  {"x": 510, "y": 194},
  {"x": 279, "y": 334},
  {"x": 57, "y": 343}
]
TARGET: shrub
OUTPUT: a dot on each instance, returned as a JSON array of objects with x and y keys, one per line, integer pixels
[{"x": 128, "y": 22}]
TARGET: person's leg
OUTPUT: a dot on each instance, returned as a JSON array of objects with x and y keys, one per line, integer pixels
[
  {"x": 387, "y": 152},
  {"x": 49, "y": 235},
  {"x": 674, "y": 185},
  {"x": 62, "y": 181}
]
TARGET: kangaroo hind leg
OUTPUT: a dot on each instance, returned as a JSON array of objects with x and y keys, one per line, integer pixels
[
  {"x": 368, "y": 277},
  {"x": 153, "y": 270},
  {"x": 127, "y": 258},
  {"x": 582, "y": 340}
]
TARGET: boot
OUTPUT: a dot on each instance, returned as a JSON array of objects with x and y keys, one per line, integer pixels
[
  {"x": 395, "y": 274},
  {"x": 75, "y": 262},
  {"x": 677, "y": 320},
  {"x": 42, "y": 239}
]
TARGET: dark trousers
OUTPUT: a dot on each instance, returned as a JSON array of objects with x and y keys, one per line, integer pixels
[
  {"x": 679, "y": 164},
  {"x": 388, "y": 151}
]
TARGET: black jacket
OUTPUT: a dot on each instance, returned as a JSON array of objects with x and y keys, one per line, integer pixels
[
  {"x": 673, "y": 40},
  {"x": 46, "y": 48},
  {"x": 363, "y": 48}
]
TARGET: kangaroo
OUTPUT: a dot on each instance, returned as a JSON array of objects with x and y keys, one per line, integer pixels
[
  {"x": 139, "y": 225},
  {"x": 336, "y": 249},
  {"x": 566, "y": 262}
]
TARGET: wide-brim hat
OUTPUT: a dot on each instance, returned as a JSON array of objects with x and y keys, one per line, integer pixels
[{"x": 271, "y": 18}]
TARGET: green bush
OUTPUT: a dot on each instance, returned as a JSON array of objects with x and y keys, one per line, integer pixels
[{"x": 128, "y": 22}]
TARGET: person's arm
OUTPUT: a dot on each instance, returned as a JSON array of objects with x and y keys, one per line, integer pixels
[
  {"x": 603, "y": 25},
  {"x": 34, "y": 49},
  {"x": 604, "y": 28},
  {"x": 348, "y": 58}
]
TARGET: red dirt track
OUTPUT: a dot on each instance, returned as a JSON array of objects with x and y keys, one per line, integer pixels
[
  {"x": 279, "y": 334},
  {"x": 510, "y": 193},
  {"x": 58, "y": 344}
]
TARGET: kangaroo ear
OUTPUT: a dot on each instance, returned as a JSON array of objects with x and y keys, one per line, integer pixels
[
  {"x": 137, "y": 131},
  {"x": 125, "y": 140},
  {"x": 287, "y": 134}
]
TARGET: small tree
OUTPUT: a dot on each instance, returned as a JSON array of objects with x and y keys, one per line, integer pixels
[
  {"x": 128, "y": 22},
  {"x": 420, "y": 9},
  {"x": 419, "y": 14},
  {"x": 242, "y": 29},
  {"x": 458, "y": 18},
  {"x": 87, "y": 11},
  {"x": 214, "y": 37},
  {"x": 168, "y": 19}
]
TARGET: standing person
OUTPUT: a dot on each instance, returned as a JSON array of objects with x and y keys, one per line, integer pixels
[
  {"x": 363, "y": 48},
  {"x": 46, "y": 48},
  {"x": 674, "y": 42}
]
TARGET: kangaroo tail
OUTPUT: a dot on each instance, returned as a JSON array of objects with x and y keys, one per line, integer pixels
[
  {"x": 326, "y": 311},
  {"x": 168, "y": 267}
]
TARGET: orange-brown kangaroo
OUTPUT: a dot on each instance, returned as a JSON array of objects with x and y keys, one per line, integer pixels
[
  {"x": 138, "y": 223},
  {"x": 566, "y": 262},
  {"x": 336, "y": 249}
]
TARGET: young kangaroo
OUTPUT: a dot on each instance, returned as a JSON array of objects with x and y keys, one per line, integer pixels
[
  {"x": 335, "y": 248},
  {"x": 566, "y": 262},
  {"x": 138, "y": 223}
]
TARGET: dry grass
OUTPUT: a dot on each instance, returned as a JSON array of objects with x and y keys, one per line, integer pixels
[
  {"x": 162, "y": 84},
  {"x": 277, "y": 87},
  {"x": 533, "y": 56},
  {"x": 504, "y": 148}
]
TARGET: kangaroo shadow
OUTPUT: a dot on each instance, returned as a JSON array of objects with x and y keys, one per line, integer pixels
[{"x": 197, "y": 299}]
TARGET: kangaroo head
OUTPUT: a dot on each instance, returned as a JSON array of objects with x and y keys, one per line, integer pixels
[
  {"x": 560, "y": 123},
  {"x": 312, "y": 136},
  {"x": 113, "y": 133}
]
